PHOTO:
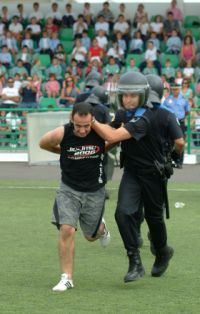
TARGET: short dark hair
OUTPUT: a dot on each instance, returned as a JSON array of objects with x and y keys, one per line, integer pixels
[{"x": 82, "y": 108}]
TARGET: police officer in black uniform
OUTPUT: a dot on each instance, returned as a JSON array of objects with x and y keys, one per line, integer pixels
[{"x": 143, "y": 161}]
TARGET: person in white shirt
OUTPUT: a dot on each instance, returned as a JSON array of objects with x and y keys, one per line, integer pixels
[
  {"x": 69, "y": 17},
  {"x": 35, "y": 29},
  {"x": 16, "y": 28},
  {"x": 36, "y": 13},
  {"x": 157, "y": 27},
  {"x": 10, "y": 95},
  {"x": 79, "y": 53},
  {"x": 102, "y": 39},
  {"x": 101, "y": 24},
  {"x": 79, "y": 26},
  {"x": 123, "y": 27},
  {"x": 151, "y": 54},
  {"x": 55, "y": 14}
]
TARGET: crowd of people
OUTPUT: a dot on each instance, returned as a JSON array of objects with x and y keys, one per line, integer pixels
[{"x": 103, "y": 42}]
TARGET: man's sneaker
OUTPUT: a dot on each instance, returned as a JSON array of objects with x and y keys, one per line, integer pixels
[
  {"x": 136, "y": 269},
  {"x": 64, "y": 284},
  {"x": 162, "y": 261},
  {"x": 105, "y": 238}
]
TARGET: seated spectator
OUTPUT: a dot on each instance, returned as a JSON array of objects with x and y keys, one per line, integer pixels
[
  {"x": 74, "y": 69},
  {"x": 20, "y": 69},
  {"x": 35, "y": 29},
  {"x": 188, "y": 51},
  {"x": 10, "y": 41},
  {"x": 79, "y": 53},
  {"x": 17, "y": 81},
  {"x": 123, "y": 27},
  {"x": 55, "y": 68},
  {"x": 36, "y": 13},
  {"x": 166, "y": 93},
  {"x": 37, "y": 84},
  {"x": 150, "y": 68},
  {"x": 178, "y": 77},
  {"x": 139, "y": 14},
  {"x": 26, "y": 58},
  {"x": 5, "y": 16},
  {"x": 102, "y": 39},
  {"x": 186, "y": 91},
  {"x": 95, "y": 52},
  {"x": 16, "y": 28},
  {"x": 3, "y": 72},
  {"x": 21, "y": 14},
  {"x": 131, "y": 67},
  {"x": 122, "y": 10},
  {"x": 28, "y": 41},
  {"x": 44, "y": 44},
  {"x": 101, "y": 24},
  {"x": 121, "y": 42},
  {"x": 37, "y": 69},
  {"x": 52, "y": 86},
  {"x": 177, "y": 13},
  {"x": 54, "y": 42},
  {"x": 50, "y": 27},
  {"x": 88, "y": 14},
  {"x": 28, "y": 94},
  {"x": 10, "y": 95},
  {"x": 169, "y": 71},
  {"x": 170, "y": 24},
  {"x": 60, "y": 54},
  {"x": 107, "y": 14},
  {"x": 136, "y": 43},
  {"x": 144, "y": 28},
  {"x": 55, "y": 14},
  {"x": 69, "y": 92},
  {"x": 93, "y": 66},
  {"x": 188, "y": 71},
  {"x": 166, "y": 84},
  {"x": 111, "y": 67},
  {"x": 151, "y": 55},
  {"x": 116, "y": 52},
  {"x": 5, "y": 57},
  {"x": 69, "y": 17},
  {"x": 174, "y": 43},
  {"x": 85, "y": 40},
  {"x": 157, "y": 27},
  {"x": 155, "y": 41},
  {"x": 79, "y": 26}
]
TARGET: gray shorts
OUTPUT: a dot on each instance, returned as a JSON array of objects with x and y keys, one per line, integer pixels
[{"x": 72, "y": 206}]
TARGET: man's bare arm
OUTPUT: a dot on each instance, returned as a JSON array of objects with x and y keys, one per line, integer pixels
[{"x": 51, "y": 140}]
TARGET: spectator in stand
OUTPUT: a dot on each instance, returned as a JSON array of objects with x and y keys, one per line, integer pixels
[
  {"x": 55, "y": 14},
  {"x": 155, "y": 41},
  {"x": 169, "y": 71},
  {"x": 107, "y": 13},
  {"x": 102, "y": 39},
  {"x": 54, "y": 42},
  {"x": 52, "y": 86},
  {"x": 69, "y": 92},
  {"x": 50, "y": 27},
  {"x": 20, "y": 69},
  {"x": 111, "y": 67},
  {"x": 5, "y": 16},
  {"x": 44, "y": 44},
  {"x": 85, "y": 40},
  {"x": 123, "y": 11},
  {"x": 60, "y": 54},
  {"x": 177, "y": 13},
  {"x": 56, "y": 69},
  {"x": 74, "y": 69},
  {"x": 170, "y": 24},
  {"x": 79, "y": 26},
  {"x": 3, "y": 73},
  {"x": 10, "y": 95},
  {"x": 101, "y": 24},
  {"x": 166, "y": 93},
  {"x": 5, "y": 57},
  {"x": 28, "y": 94},
  {"x": 28, "y": 41},
  {"x": 116, "y": 52},
  {"x": 10, "y": 41},
  {"x": 157, "y": 27},
  {"x": 123, "y": 27},
  {"x": 37, "y": 85},
  {"x": 2, "y": 29},
  {"x": 95, "y": 52},
  {"x": 144, "y": 28},
  {"x": 93, "y": 66},
  {"x": 131, "y": 67},
  {"x": 121, "y": 42},
  {"x": 188, "y": 51},
  {"x": 36, "y": 13},
  {"x": 186, "y": 91},
  {"x": 16, "y": 28},
  {"x": 174, "y": 43},
  {"x": 17, "y": 81},
  {"x": 151, "y": 55},
  {"x": 166, "y": 84},
  {"x": 88, "y": 14},
  {"x": 136, "y": 43},
  {"x": 150, "y": 68},
  {"x": 79, "y": 53},
  {"x": 139, "y": 14},
  {"x": 178, "y": 77},
  {"x": 188, "y": 71},
  {"x": 69, "y": 17},
  {"x": 35, "y": 29},
  {"x": 37, "y": 69},
  {"x": 22, "y": 16}
]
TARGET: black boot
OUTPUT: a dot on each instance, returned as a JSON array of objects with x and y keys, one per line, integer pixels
[
  {"x": 161, "y": 263},
  {"x": 136, "y": 269}
]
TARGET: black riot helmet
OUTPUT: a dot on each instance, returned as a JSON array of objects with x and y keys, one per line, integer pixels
[
  {"x": 135, "y": 83},
  {"x": 93, "y": 79},
  {"x": 156, "y": 84},
  {"x": 101, "y": 93}
]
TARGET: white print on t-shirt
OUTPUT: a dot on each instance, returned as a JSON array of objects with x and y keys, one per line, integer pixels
[{"x": 82, "y": 152}]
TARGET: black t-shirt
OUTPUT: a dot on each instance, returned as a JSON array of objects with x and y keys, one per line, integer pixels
[
  {"x": 81, "y": 160},
  {"x": 148, "y": 134},
  {"x": 28, "y": 95}
]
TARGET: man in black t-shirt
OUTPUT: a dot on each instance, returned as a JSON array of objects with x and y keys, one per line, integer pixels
[
  {"x": 81, "y": 194},
  {"x": 144, "y": 171}
]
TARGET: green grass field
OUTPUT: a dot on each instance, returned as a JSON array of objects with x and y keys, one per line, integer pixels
[{"x": 30, "y": 267}]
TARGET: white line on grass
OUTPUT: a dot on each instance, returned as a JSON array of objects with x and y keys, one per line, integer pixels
[{"x": 12, "y": 187}]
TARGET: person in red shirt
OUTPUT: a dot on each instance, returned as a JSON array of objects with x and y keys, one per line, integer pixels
[{"x": 95, "y": 52}]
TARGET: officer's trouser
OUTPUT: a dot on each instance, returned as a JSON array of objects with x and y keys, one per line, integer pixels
[{"x": 136, "y": 188}]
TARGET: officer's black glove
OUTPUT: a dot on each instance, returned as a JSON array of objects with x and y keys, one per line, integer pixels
[{"x": 175, "y": 157}]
